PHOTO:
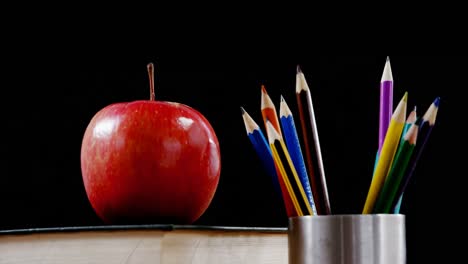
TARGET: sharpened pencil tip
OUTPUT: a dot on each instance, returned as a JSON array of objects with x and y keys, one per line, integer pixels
[
  {"x": 431, "y": 112},
  {"x": 412, "y": 116},
  {"x": 284, "y": 108},
  {"x": 388, "y": 58},
  {"x": 387, "y": 72},
  {"x": 298, "y": 69},
  {"x": 266, "y": 101},
  {"x": 405, "y": 97},
  {"x": 250, "y": 125},
  {"x": 412, "y": 134},
  {"x": 272, "y": 134}
]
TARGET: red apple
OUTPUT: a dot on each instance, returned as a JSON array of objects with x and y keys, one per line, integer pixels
[{"x": 150, "y": 162}]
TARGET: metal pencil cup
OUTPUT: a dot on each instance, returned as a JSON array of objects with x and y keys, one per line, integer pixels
[{"x": 347, "y": 239}]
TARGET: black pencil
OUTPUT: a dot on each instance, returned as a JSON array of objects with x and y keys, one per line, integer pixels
[
  {"x": 312, "y": 145},
  {"x": 288, "y": 171},
  {"x": 426, "y": 124}
]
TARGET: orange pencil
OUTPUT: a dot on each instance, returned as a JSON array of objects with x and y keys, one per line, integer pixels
[{"x": 269, "y": 111}]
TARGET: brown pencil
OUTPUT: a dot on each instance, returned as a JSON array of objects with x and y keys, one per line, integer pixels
[{"x": 312, "y": 145}]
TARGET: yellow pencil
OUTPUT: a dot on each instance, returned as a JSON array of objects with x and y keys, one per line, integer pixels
[
  {"x": 389, "y": 147},
  {"x": 288, "y": 171}
]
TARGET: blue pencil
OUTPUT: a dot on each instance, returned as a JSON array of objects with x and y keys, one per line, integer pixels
[
  {"x": 262, "y": 148},
  {"x": 292, "y": 143}
]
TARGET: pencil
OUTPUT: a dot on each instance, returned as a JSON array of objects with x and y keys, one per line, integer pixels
[
  {"x": 262, "y": 148},
  {"x": 425, "y": 129},
  {"x": 386, "y": 102},
  {"x": 283, "y": 161},
  {"x": 386, "y": 105},
  {"x": 311, "y": 142},
  {"x": 387, "y": 153},
  {"x": 292, "y": 143},
  {"x": 387, "y": 196},
  {"x": 269, "y": 111},
  {"x": 400, "y": 142},
  {"x": 409, "y": 121}
]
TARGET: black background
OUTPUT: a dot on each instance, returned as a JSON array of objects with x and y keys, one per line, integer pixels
[{"x": 49, "y": 99}]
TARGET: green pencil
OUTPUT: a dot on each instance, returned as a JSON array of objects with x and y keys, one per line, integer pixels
[
  {"x": 409, "y": 122},
  {"x": 392, "y": 183}
]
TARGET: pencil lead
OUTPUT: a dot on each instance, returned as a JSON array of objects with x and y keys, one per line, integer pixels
[
  {"x": 263, "y": 89},
  {"x": 242, "y": 110},
  {"x": 298, "y": 69},
  {"x": 282, "y": 98},
  {"x": 405, "y": 97},
  {"x": 436, "y": 101}
]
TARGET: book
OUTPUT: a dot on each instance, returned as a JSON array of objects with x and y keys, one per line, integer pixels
[{"x": 145, "y": 244}]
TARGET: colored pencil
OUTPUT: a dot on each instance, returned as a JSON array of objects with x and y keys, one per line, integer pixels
[
  {"x": 269, "y": 111},
  {"x": 262, "y": 148},
  {"x": 409, "y": 121},
  {"x": 386, "y": 105},
  {"x": 386, "y": 102},
  {"x": 292, "y": 143},
  {"x": 401, "y": 140},
  {"x": 425, "y": 129},
  {"x": 283, "y": 161},
  {"x": 387, "y": 196},
  {"x": 313, "y": 153},
  {"x": 392, "y": 138}
]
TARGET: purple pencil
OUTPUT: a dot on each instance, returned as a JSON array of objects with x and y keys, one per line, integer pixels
[{"x": 386, "y": 102}]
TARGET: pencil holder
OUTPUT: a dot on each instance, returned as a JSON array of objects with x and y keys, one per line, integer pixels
[{"x": 347, "y": 239}]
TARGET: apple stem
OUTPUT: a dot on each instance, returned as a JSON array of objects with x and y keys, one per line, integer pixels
[{"x": 150, "y": 67}]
